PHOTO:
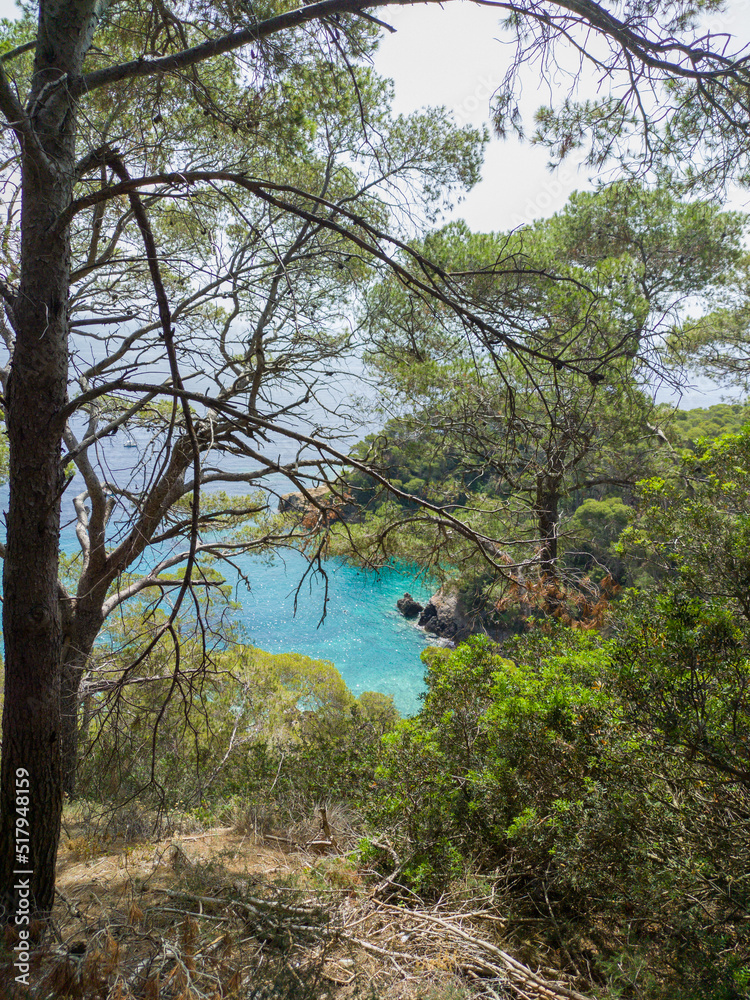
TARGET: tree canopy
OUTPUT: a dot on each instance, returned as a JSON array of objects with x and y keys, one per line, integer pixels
[
  {"x": 255, "y": 295},
  {"x": 514, "y": 448}
]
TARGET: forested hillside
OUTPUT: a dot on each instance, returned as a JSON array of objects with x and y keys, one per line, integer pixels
[
  {"x": 585, "y": 784},
  {"x": 221, "y": 243}
]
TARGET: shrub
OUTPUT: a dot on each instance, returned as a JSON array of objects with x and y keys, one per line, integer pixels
[{"x": 575, "y": 774}]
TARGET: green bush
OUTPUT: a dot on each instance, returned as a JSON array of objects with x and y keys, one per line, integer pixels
[
  {"x": 573, "y": 772},
  {"x": 236, "y": 726}
]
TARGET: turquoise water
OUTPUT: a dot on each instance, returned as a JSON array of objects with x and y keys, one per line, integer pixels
[
  {"x": 363, "y": 634},
  {"x": 372, "y": 645}
]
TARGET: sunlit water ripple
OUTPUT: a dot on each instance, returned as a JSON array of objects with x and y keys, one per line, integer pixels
[{"x": 374, "y": 647}]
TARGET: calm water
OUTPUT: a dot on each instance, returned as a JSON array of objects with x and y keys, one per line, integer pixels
[
  {"x": 373, "y": 646},
  {"x": 363, "y": 634}
]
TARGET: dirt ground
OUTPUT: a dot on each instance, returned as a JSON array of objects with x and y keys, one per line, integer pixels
[
  {"x": 223, "y": 914},
  {"x": 109, "y": 880}
]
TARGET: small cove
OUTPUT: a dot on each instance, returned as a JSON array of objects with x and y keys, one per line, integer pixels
[{"x": 363, "y": 634}]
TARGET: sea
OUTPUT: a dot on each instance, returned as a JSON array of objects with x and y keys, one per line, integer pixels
[
  {"x": 349, "y": 617},
  {"x": 362, "y": 633}
]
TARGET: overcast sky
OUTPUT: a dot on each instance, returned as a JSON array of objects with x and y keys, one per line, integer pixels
[
  {"x": 453, "y": 56},
  {"x": 456, "y": 56}
]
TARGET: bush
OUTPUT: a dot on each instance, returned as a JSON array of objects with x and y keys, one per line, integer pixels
[{"x": 574, "y": 773}]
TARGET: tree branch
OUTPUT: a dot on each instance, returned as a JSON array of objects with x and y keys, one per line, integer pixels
[
  {"x": 227, "y": 43},
  {"x": 17, "y": 51},
  {"x": 652, "y": 53},
  {"x": 273, "y": 194},
  {"x": 19, "y": 122}
]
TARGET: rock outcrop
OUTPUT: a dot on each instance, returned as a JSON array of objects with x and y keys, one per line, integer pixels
[
  {"x": 448, "y": 616},
  {"x": 408, "y": 607},
  {"x": 319, "y": 503},
  {"x": 445, "y": 615}
]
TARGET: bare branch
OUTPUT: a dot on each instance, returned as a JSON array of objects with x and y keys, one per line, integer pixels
[
  {"x": 424, "y": 282},
  {"x": 21, "y": 126}
]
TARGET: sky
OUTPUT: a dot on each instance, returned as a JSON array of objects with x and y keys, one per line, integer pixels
[{"x": 456, "y": 56}]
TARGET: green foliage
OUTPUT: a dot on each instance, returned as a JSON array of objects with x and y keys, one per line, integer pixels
[
  {"x": 600, "y": 522},
  {"x": 600, "y": 784},
  {"x": 255, "y": 292},
  {"x": 695, "y": 143},
  {"x": 599, "y": 780},
  {"x": 697, "y": 526},
  {"x": 716, "y": 343},
  {"x": 688, "y": 428},
  {"x": 681, "y": 666},
  {"x": 521, "y": 449},
  {"x": 378, "y": 709},
  {"x": 684, "y": 671},
  {"x": 245, "y": 721},
  {"x": 462, "y": 771},
  {"x": 674, "y": 246},
  {"x": 198, "y": 743},
  {"x": 594, "y": 529},
  {"x": 416, "y": 459},
  {"x": 422, "y": 460}
]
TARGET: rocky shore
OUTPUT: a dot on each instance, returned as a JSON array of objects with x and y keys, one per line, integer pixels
[
  {"x": 444, "y": 615},
  {"x": 319, "y": 502},
  {"x": 447, "y": 616}
]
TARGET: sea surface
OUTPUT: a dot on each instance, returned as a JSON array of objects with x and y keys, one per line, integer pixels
[
  {"x": 363, "y": 634},
  {"x": 349, "y": 617}
]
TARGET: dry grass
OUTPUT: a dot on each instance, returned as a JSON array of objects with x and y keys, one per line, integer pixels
[{"x": 263, "y": 916}]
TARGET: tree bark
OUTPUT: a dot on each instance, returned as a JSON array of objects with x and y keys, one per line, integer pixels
[
  {"x": 548, "y": 516},
  {"x": 36, "y": 395},
  {"x": 82, "y": 628},
  {"x": 71, "y": 676},
  {"x": 31, "y": 613}
]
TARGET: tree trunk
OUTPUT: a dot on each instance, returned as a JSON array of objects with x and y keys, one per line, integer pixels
[
  {"x": 548, "y": 516},
  {"x": 36, "y": 394},
  {"x": 83, "y": 627},
  {"x": 83, "y": 731},
  {"x": 69, "y": 735},
  {"x": 31, "y": 613}
]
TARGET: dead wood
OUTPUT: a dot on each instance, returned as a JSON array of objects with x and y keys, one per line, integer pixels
[{"x": 209, "y": 932}]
